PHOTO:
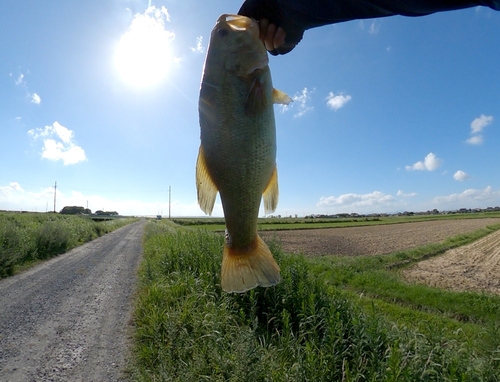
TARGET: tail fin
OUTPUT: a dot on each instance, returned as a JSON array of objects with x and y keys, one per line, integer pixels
[{"x": 246, "y": 268}]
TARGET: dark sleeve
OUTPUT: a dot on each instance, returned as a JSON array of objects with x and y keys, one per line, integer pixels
[{"x": 296, "y": 16}]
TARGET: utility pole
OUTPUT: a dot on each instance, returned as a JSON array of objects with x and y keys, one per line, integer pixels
[
  {"x": 169, "y": 199},
  {"x": 55, "y": 192}
]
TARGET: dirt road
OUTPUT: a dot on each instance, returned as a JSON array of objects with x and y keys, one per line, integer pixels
[{"x": 69, "y": 319}]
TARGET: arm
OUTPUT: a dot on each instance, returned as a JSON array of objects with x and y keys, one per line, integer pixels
[{"x": 295, "y": 16}]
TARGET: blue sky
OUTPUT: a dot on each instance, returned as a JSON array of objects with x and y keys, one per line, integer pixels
[{"x": 392, "y": 114}]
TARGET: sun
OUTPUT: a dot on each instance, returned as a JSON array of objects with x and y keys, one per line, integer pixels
[{"x": 142, "y": 56}]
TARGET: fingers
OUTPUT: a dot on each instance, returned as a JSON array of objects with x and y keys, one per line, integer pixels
[
  {"x": 269, "y": 39},
  {"x": 279, "y": 38},
  {"x": 263, "y": 25},
  {"x": 271, "y": 36}
]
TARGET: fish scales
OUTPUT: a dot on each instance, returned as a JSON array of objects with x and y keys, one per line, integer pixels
[
  {"x": 243, "y": 152},
  {"x": 237, "y": 155}
]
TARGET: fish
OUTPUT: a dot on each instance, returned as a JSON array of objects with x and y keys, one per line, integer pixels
[{"x": 237, "y": 154}]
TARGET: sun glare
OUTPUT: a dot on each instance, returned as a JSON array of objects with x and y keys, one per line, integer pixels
[{"x": 142, "y": 56}]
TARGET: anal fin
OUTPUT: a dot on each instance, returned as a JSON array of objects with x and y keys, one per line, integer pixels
[
  {"x": 206, "y": 189},
  {"x": 271, "y": 193},
  {"x": 246, "y": 268}
]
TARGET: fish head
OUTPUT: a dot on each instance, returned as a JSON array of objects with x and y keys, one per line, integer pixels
[{"x": 235, "y": 43}]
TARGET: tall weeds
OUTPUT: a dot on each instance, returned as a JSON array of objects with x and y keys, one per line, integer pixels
[
  {"x": 187, "y": 329},
  {"x": 26, "y": 238}
]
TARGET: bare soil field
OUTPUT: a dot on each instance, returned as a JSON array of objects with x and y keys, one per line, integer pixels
[
  {"x": 472, "y": 267},
  {"x": 373, "y": 240}
]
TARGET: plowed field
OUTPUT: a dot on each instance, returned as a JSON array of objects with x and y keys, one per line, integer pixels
[
  {"x": 472, "y": 267},
  {"x": 374, "y": 240}
]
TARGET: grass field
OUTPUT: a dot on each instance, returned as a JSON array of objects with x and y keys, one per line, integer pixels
[
  {"x": 330, "y": 319},
  {"x": 26, "y": 238}
]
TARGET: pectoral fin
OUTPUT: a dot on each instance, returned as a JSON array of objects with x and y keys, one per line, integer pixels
[
  {"x": 280, "y": 97},
  {"x": 207, "y": 191},
  {"x": 271, "y": 193},
  {"x": 256, "y": 98}
]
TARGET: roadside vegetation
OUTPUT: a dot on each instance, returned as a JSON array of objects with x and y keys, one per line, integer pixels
[
  {"x": 330, "y": 319},
  {"x": 26, "y": 238}
]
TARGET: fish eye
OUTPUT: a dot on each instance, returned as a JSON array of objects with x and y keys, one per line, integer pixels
[{"x": 222, "y": 32}]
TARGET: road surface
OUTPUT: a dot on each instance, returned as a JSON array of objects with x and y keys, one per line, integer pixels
[{"x": 69, "y": 319}]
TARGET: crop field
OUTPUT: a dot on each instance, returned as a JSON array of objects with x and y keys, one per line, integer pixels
[
  {"x": 374, "y": 239},
  {"x": 336, "y": 316},
  {"x": 288, "y": 224}
]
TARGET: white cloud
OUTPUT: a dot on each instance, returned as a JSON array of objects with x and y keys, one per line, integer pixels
[
  {"x": 430, "y": 163},
  {"x": 336, "y": 101},
  {"x": 35, "y": 98},
  {"x": 475, "y": 140},
  {"x": 461, "y": 176},
  {"x": 199, "y": 45},
  {"x": 70, "y": 154},
  {"x": 357, "y": 200},
  {"x": 374, "y": 28},
  {"x": 470, "y": 198},
  {"x": 478, "y": 124},
  {"x": 300, "y": 101},
  {"x": 20, "y": 80},
  {"x": 65, "y": 149},
  {"x": 7, "y": 191},
  {"x": 406, "y": 195},
  {"x": 63, "y": 133}
]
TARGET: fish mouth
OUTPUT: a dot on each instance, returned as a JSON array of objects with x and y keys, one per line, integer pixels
[{"x": 238, "y": 23}]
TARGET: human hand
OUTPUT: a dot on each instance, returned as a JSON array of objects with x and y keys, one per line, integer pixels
[
  {"x": 279, "y": 33},
  {"x": 273, "y": 37}
]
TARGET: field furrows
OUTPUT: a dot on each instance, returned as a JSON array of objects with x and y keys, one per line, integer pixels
[
  {"x": 472, "y": 267},
  {"x": 373, "y": 240}
]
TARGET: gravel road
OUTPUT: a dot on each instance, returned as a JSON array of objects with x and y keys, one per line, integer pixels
[{"x": 69, "y": 318}]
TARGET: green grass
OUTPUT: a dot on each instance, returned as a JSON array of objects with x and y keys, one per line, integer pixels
[
  {"x": 27, "y": 238},
  {"x": 330, "y": 319},
  {"x": 377, "y": 280}
]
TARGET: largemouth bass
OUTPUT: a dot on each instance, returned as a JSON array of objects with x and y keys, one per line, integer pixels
[{"x": 237, "y": 156}]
